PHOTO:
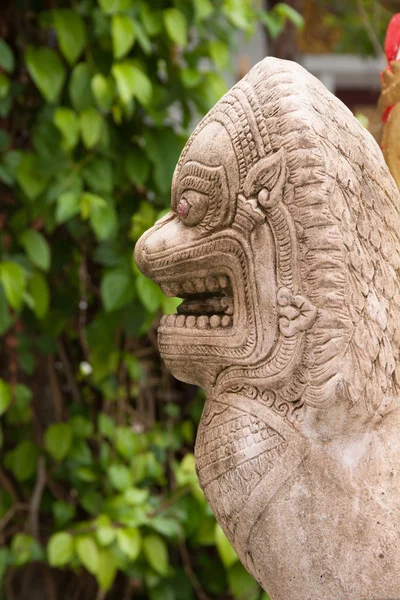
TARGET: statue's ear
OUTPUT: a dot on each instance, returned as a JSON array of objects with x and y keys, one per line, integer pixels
[{"x": 266, "y": 179}]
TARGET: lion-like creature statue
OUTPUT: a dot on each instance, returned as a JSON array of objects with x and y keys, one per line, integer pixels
[{"x": 283, "y": 241}]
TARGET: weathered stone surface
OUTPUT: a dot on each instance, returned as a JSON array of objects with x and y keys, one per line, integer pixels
[{"x": 283, "y": 241}]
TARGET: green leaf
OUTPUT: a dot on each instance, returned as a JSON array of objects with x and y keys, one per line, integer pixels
[
  {"x": 156, "y": 553},
  {"x": 105, "y": 425},
  {"x": 86, "y": 474},
  {"x": 203, "y": 9},
  {"x": 25, "y": 549},
  {"x": 39, "y": 290},
  {"x": 112, "y": 6},
  {"x": 24, "y": 461},
  {"x": 58, "y": 440},
  {"x": 241, "y": 584},
  {"x": 142, "y": 220},
  {"x": 190, "y": 77},
  {"x": 237, "y": 12},
  {"x": 142, "y": 87},
  {"x": 4, "y": 85},
  {"x": 123, "y": 35},
  {"x": 132, "y": 82},
  {"x": 71, "y": 33},
  {"x": 215, "y": 88},
  {"x": 169, "y": 305},
  {"x": 12, "y": 277},
  {"x": 151, "y": 19},
  {"x": 105, "y": 532},
  {"x": 120, "y": 477},
  {"x": 125, "y": 441},
  {"x": 20, "y": 412},
  {"x": 103, "y": 91},
  {"x": 91, "y": 123},
  {"x": 7, "y": 61},
  {"x": 68, "y": 205},
  {"x": 37, "y": 248},
  {"x": 176, "y": 26},
  {"x": 137, "y": 167},
  {"x": 31, "y": 175},
  {"x": 5, "y": 317},
  {"x": 289, "y": 13},
  {"x": 163, "y": 148},
  {"x": 46, "y": 70},
  {"x": 170, "y": 528},
  {"x": 5, "y": 396},
  {"x": 81, "y": 427},
  {"x": 135, "y": 496},
  {"x": 149, "y": 293},
  {"x": 142, "y": 38},
  {"x": 219, "y": 52},
  {"x": 129, "y": 542},
  {"x": 88, "y": 553},
  {"x": 273, "y": 23},
  {"x": 89, "y": 203},
  {"x": 117, "y": 289},
  {"x": 60, "y": 549},
  {"x": 79, "y": 88},
  {"x": 107, "y": 569},
  {"x": 67, "y": 122},
  {"x": 225, "y": 550},
  {"x": 98, "y": 175},
  {"x": 63, "y": 513},
  {"x": 104, "y": 222}
]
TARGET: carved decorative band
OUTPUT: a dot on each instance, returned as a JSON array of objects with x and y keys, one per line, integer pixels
[{"x": 285, "y": 245}]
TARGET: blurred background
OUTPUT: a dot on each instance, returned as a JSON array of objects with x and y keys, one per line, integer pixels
[{"x": 98, "y": 492}]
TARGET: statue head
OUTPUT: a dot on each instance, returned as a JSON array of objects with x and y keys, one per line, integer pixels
[{"x": 283, "y": 242}]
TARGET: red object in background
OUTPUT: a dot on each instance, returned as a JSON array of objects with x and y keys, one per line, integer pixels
[
  {"x": 392, "y": 41},
  {"x": 392, "y": 50}
]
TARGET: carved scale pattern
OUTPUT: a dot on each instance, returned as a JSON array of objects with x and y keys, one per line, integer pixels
[{"x": 234, "y": 451}]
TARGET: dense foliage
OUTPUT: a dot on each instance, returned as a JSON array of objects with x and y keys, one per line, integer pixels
[{"x": 98, "y": 493}]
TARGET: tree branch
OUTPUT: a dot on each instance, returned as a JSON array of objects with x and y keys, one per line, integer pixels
[
  {"x": 8, "y": 485},
  {"x": 187, "y": 566},
  {"x": 57, "y": 396},
  {"x": 37, "y": 498},
  {"x": 68, "y": 371}
]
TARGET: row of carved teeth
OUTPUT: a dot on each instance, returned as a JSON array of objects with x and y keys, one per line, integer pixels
[
  {"x": 202, "y": 322},
  {"x": 199, "y": 285}
]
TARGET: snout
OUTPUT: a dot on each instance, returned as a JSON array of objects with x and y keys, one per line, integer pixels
[
  {"x": 153, "y": 242},
  {"x": 163, "y": 239}
]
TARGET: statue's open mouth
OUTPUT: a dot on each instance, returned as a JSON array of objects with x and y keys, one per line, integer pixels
[
  {"x": 207, "y": 303},
  {"x": 217, "y": 317}
]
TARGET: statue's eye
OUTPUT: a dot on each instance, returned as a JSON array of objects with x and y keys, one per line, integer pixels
[
  {"x": 192, "y": 207},
  {"x": 183, "y": 208}
]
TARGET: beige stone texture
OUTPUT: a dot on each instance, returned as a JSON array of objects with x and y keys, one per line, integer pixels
[{"x": 283, "y": 241}]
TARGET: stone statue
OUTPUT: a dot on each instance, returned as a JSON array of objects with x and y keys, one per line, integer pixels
[
  {"x": 389, "y": 101},
  {"x": 284, "y": 242}
]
